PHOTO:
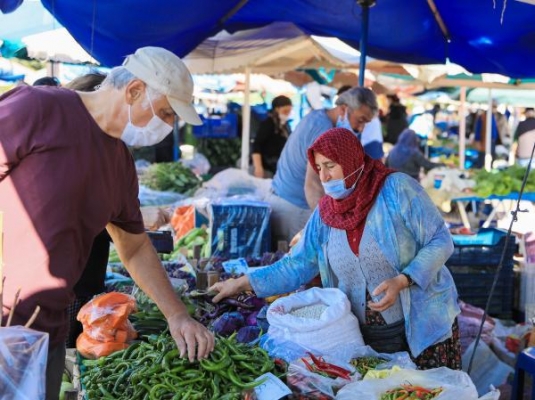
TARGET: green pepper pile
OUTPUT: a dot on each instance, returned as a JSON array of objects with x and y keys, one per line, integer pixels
[
  {"x": 154, "y": 370},
  {"x": 364, "y": 364},
  {"x": 411, "y": 392}
]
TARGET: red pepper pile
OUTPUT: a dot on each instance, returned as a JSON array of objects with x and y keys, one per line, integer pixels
[{"x": 320, "y": 366}]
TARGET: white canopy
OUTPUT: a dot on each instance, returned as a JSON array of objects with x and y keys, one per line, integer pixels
[
  {"x": 56, "y": 45},
  {"x": 278, "y": 47}
]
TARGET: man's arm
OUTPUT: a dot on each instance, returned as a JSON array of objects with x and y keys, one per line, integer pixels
[
  {"x": 313, "y": 188},
  {"x": 141, "y": 261}
]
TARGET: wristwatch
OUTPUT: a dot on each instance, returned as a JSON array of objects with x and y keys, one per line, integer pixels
[{"x": 409, "y": 279}]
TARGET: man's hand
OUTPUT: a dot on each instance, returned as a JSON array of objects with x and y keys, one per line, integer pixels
[
  {"x": 191, "y": 337},
  {"x": 391, "y": 287}
]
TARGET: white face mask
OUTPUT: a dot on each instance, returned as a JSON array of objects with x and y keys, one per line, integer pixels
[
  {"x": 154, "y": 132},
  {"x": 283, "y": 118}
]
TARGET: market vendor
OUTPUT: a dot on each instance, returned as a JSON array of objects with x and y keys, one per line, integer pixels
[
  {"x": 66, "y": 174},
  {"x": 376, "y": 236}
]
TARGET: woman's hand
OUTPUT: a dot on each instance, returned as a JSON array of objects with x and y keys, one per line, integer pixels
[
  {"x": 230, "y": 287},
  {"x": 391, "y": 288}
]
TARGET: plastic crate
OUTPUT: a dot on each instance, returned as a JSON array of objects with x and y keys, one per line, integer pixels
[
  {"x": 161, "y": 240},
  {"x": 483, "y": 249},
  {"x": 474, "y": 284},
  {"x": 223, "y": 127}
]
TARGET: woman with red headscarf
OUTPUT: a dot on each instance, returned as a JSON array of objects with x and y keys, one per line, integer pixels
[{"x": 378, "y": 237}]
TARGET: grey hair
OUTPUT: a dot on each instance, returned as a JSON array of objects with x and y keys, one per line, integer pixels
[
  {"x": 357, "y": 97},
  {"x": 119, "y": 77}
]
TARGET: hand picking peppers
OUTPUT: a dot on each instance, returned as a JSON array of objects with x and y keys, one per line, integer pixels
[
  {"x": 320, "y": 366},
  {"x": 411, "y": 392}
]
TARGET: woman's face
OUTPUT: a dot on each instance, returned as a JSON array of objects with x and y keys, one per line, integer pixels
[
  {"x": 327, "y": 168},
  {"x": 284, "y": 110}
]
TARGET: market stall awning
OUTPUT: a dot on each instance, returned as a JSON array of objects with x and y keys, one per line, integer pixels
[
  {"x": 399, "y": 31},
  {"x": 56, "y": 45},
  {"x": 278, "y": 47}
]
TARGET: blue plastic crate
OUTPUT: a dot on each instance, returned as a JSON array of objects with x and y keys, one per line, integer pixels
[
  {"x": 483, "y": 249},
  {"x": 474, "y": 284},
  {"x": 215, "y": 126}
]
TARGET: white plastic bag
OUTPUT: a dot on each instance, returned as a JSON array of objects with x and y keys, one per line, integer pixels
[
  {"x": 23, "y": 357},
  {"x": 456, "y": 385},
  {"x": 313, "y": 385},
  {"x": 336, "y": 330}
]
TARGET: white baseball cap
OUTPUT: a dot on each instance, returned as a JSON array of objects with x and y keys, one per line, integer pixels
[{"x": 166, "y": 73}]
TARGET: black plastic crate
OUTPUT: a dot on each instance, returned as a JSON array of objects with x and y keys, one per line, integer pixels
[
  {"x": 474, "y": 284},
  {"x": 474, "y": 254}
]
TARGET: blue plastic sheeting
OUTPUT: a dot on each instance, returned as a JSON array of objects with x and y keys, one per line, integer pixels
[{"x": 400, "y": 31}]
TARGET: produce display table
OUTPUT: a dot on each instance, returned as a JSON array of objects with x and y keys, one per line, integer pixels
[{"x": 498, "y": 203}]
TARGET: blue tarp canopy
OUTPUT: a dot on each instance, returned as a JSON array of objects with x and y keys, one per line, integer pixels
[{"x": 399, "y": 31}]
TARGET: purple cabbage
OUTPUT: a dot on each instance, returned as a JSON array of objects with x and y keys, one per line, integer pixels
[
  {"x": 247, "y": 334},
  {"x": 228, "y": 323},
  {"x": 261, "y": 319},
  {"x": 251, "y": 319}
]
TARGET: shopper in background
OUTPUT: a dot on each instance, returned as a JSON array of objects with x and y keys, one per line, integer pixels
[
  {"x": 524, "y": 139},
  {"x": 406, "y": 156},
  {"x": 47, "y": 81},
  {"x": 396, "y": 119},
  {"x": 271, "y": 137},
  {"x": 378, "y": 237},
  {"x": 296, "y": 188},
  {"x": 499, "y": 133},
  {"x": 371, "y": 136},
  {"x": 66, "y": 174}
]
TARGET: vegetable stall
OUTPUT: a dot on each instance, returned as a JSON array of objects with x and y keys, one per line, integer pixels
[{"x": 130, "y": 354}]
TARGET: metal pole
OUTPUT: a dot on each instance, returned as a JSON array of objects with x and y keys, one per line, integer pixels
[
  {"x": 246, "y": 121},
  {"x": 488, "y": 135},
  {"x": 365, "y": 4},
  {"x": 462, "y": 129}
]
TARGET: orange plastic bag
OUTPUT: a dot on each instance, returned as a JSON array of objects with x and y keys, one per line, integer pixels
[
  {"x": 183, "y": 220},
  {"x": 106, "y": 325},
  {"x": 93, "y": 349}
]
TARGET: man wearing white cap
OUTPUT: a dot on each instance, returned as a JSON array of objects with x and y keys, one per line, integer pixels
[{"x": 66, "y": 173}]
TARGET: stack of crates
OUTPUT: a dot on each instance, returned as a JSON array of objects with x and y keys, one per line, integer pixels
[{"x": 473, "y": 265}]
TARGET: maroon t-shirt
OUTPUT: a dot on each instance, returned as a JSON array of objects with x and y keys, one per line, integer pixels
[{"x": 62, "y": 179}]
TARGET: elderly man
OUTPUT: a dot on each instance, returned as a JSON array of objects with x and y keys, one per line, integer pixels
[
  {"x": 66, "y": 173},
  {"x": 296, "y": 188}
]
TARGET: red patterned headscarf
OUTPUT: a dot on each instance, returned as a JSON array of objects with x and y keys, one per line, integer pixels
[{"x": 342, "y": 146}]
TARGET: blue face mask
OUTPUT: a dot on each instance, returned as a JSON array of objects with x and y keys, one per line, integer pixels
[
  {"x": 336, "y": 188},
  {"x": 343, "y": 122}
]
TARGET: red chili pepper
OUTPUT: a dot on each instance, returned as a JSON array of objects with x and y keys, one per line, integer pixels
[
  {"x": 308, "y": 365},
  {"x": 329, "y": 368}
]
